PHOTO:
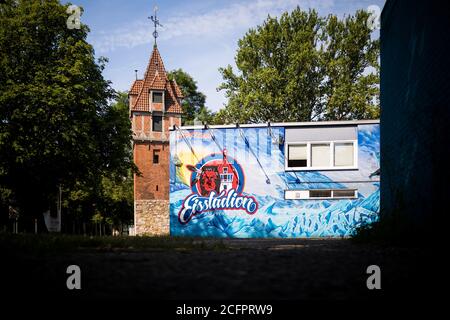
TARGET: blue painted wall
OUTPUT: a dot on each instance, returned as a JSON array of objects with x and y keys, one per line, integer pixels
[{"x": 273, "y": 216}]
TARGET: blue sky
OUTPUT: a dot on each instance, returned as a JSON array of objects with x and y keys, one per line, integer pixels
[{"x": 198, "y": 36}]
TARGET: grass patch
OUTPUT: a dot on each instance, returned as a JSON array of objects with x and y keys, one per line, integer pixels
[
  {"x": 59, "y": 243},
  {"x": 396, "y": 229}
]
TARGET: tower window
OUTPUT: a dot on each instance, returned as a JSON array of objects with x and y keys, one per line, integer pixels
[
  {"x": 155, "y": 156},
  {"x": 157, "y": 97},
  {"x": 157, "y": 123}
]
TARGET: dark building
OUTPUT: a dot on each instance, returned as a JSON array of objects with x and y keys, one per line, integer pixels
[{"x": 415, "y": 108}]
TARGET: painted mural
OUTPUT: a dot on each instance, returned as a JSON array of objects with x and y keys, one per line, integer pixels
[{"x": 230, "y": 182}]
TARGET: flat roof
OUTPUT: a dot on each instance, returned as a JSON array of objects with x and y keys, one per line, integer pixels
[{"x": 286, "y": 124}]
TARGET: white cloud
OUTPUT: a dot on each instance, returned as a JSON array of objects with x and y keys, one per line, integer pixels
[
  {"x": 200, "y": 40},
  {"x": 223, "y": 21}
]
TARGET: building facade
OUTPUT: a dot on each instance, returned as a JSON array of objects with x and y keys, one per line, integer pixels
[
  {"x": 316, "y": 179},
  {"x": 415, "y": 114},
  {"x": 155, "y": 106}
]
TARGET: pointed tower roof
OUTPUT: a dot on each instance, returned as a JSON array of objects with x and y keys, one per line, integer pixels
[
  {"x": 155, "y": 78},
  {"x": 155, "y": 65},
  {"x": 136, "y": 87}
]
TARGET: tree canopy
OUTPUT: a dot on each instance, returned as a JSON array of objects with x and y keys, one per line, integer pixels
[
  {"x": 109, "y": 197},
  {"x": 56, "y": 123},
  {"x": 303, "y": 67}
]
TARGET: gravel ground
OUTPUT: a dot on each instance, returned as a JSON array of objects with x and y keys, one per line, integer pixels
[{"x": 241, "y": 269}]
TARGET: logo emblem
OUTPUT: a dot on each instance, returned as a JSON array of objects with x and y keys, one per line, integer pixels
[{"x": 217, "y": 183}]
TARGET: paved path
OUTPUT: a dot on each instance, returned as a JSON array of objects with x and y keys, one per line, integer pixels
[{"x": 244, "y": 269}]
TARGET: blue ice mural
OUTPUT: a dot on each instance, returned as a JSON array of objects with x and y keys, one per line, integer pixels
[{"x": 230, "y": 182}]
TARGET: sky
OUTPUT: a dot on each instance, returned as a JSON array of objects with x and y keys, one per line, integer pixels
[{"x": 198, "y": 36}]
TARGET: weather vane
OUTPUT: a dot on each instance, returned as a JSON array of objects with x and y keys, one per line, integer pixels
[{"x": 156, "y": 23}]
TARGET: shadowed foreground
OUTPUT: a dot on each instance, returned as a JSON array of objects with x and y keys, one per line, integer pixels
[{"x": 177, "y": 268}]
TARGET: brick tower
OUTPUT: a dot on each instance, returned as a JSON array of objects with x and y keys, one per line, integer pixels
[{"x": 155, "y": 106}]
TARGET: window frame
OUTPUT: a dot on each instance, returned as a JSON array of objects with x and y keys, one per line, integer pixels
[
  {"x": 162, "y": 122},
  {"x": 305, "y": 194},
  {"x": 330, "y": 153},
  {"x": 355, "y": 153},
  {"x": 152, "y": 92},
  {"x": 297, "y": 144},
  {"x": 155, "y": 155},
  {"x": 309, "y": 154},
  {"x": 320, "y": 190}
]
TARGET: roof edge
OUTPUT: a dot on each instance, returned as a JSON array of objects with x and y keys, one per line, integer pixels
[{"x": 287, "y": 124}]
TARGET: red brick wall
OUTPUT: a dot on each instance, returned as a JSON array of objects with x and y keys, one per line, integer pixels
[
  {"x": 154, "y": 180},
  {"x": 153, "y": 183},
  {"x": 157, "y": 107}
]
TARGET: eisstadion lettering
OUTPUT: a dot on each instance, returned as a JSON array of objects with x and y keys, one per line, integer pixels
[
  {"x": 195, "y": 204},
  {"x": 217, "y": 184}
]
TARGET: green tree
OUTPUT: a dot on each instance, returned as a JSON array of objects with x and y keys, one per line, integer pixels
[
  {"x": 351, "y": 68},
  {"x": 110, "y": 195},
  {"x": 193, "y": 103},
  {"x": 303, "y": 67},
  {"x": 55, "y": 120}
]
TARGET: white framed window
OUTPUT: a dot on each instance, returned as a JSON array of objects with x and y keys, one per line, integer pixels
[
  {"x": 321, "y": 155},
  {"x": 297, "y": 155},
  {"x": 344, "y": 154},
  {"x": 345, "y": 193},
  {"x": 320, "y": 194}
]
